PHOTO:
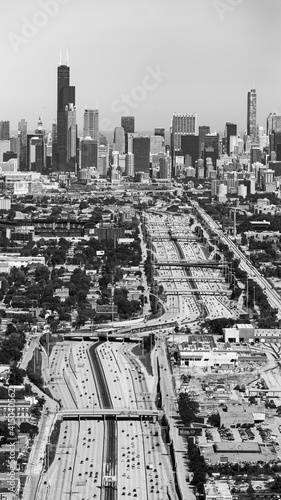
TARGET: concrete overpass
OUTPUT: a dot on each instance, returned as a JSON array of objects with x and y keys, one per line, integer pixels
[
  {"x": 187, "y": 263},
  {"x": 108, "y": 413}
]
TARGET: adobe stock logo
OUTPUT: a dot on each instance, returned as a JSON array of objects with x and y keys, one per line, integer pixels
[
  {"x": 223, "y": 6},
  {"x": 127, "y": 102},
  {"x": 30, "y": 27}
]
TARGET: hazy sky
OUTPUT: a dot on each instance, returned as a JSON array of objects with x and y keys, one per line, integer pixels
[{"x": 147, "y": 58}]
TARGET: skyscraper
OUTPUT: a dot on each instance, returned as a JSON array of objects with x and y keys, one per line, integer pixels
[
  {"x": 4, "y": 130},
  {"x": 128, "y": 124},
  {"x": 230, "y": 130},
  {"x": 203, "y": 130},
  {"x": 89, "y": 152},
  {"x": 22, "y": 135},
  {"x": 160, "y": 131},
  {"x": 141, "y": 149},
  {"x": 252, "y": 115},
  {"x": 119, "y": 140},
  {"x": 35, "y": 153},
  {"x": 182, "y": 125},
  {"x": 91, "y": 124},
  {"x": 66, "y": 115}
]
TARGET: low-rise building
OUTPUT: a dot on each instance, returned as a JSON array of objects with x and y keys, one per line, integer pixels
[
  {"x": 231, "y": 452},
  {"x": 217, "y": 490}
]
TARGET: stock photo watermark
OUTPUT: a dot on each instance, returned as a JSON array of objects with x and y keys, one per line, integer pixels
[
  {"x": 11, "y": 480},
  {"x": 225, "y": 6},
  {"x": 30, "y": 27},
  {"x": 130, "y": 101}
]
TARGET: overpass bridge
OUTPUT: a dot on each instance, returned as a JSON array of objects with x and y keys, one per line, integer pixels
[
  {"x": 187, "y": 263},
  {"x": 188, "y": 278},
  {"x": 109, "y": 414},
  {"x": 192, "y": 291}
]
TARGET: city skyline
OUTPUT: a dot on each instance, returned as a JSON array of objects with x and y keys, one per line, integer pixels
[{"x": 150, "y": 79}]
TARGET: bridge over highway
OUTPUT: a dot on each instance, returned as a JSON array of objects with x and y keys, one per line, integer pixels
[
  {"x": 108, "y": 414},
  {"x": 186, "y": 263},
  {"x": 188, "y": 278}
]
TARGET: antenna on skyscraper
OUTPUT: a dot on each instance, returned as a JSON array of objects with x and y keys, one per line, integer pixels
[
  {"x": 97, "y": 105},
  {"x": 66, "y": 55},
  {"x": 60, "y": 58}
]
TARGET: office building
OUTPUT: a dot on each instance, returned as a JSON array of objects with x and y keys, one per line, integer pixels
[
  {"x": 65, "y": 158},
  {"x": 119, "y": 140},
  {"x": 230, "y": 131},
  {"x": 190, "y": 146},
  {"x": 203, "y": 130},
  {"x": 252, "y": 116},
  {"x": 211, "y": 147},
  {"x": 157, "y": 144},
  {"x": 182, "y": 125},
  {"x": 35, "y": 153},
  {"x": 71, "y": 137},
  {"x": 141, "y": 151},
  {"x": 4, "y": 130},
  {"x": 103, "y": 156},
  {"x": 165, "y": 167},
  {"x": 128, "y": 124},
  {"x": 22, "y": 135},
  {"x": 15, "y": 145},
  {"x": 91, "y": 124},
  {"x": 273, "y": 123},
  {"x": 89, "y": 150},
  {"x": 160, "y": 131},
  {"x": 129, "y": 165}
]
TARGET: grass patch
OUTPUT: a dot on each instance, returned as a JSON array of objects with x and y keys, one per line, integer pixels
[
  {"x": 33, "y": 370},
  {"x": 51, "y": 448},
  {"x": 144, "y": 358}
]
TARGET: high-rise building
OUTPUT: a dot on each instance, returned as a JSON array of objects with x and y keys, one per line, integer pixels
[
  {"x": 203, "y": 130},
  {"x": 182, "y": 125},
  {"x": 157, "y": 144},
  {"x": 164, "y": 167},
  {"x": 273, "y": 123},
  {"x": 141, "y": 149},
  {"x": 211, "y": 148},
  {"x": 103, "y": 155},
  {"x": 230, "y": 130},
  {"x": 89, "y": 152},
  {"x": 190, "y": 146},
  {"x": 252, "y": 115},
  {"x": 119, "y": 140},
  {"x": 35, "y": 153},
  {"x": 129, "y": 165},
  {"x": 15, "y": 145},
  {"x": 4, "y": 130},
  {"x": 22, "y": 134},
  {"x": 91, "y": 124},
  {"x": 71, "y": 137},
  {"x": 66, "y": 122},
  {"x": 128, "y": 124},
  {"x": 160, "y": 131}
]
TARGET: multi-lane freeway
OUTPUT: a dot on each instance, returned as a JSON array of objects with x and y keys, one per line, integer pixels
[{"x": 110, "y": 443}]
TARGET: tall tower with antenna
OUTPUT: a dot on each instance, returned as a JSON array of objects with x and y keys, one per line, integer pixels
[{"x": 63, "y": 160}]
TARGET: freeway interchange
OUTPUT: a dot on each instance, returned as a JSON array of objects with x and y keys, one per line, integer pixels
[
  {"x": 100, "y": 457},
  {"x": 110, "y": 439}
]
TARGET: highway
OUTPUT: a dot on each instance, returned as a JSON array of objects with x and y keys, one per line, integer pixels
[
  {"x": 253, "y": 273},
  {"x": 106, "y": 459}
]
